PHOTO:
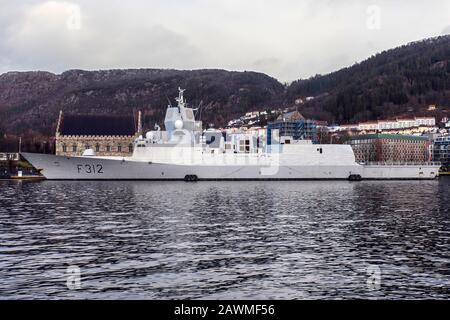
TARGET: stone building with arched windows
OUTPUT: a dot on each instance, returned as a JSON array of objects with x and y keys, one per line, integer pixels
[{"x": 107, "y": 135}]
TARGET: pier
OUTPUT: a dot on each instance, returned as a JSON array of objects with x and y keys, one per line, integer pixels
[{"x": 14, "y": 167}]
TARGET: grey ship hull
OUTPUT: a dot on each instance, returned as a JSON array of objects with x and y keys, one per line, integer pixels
[{"x": 96, "y": 168}]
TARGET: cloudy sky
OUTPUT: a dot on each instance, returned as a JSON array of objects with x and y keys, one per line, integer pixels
[{"x": 287, "y": 39}]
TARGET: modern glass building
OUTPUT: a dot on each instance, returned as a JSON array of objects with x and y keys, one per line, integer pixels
[
  {"x": 441, "y": 152},
  {"x": 294, "y": 125}
]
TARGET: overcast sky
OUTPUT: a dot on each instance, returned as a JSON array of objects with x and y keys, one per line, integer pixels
[{"x": 287, "y": 39}]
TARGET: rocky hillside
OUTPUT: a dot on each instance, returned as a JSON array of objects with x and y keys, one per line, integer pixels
[
  {"x": 401, "y": 81},
  {"x": 30, "y": 101}
]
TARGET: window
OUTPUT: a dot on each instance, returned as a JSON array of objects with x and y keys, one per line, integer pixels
[
  {"x": 87, "y": 147},
  {"x": 130, "y": 148},
  {"x": 119, "y": 148},
  {"x": 189, "y": 114},
  {"x": 97, "y": 147},
  {"x": 108, "y": 148},
  {"x": 64, "y": 148},
  {"x": 74, "y": 148}
]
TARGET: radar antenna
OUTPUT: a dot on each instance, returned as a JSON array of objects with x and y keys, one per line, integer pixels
[{"x": 180, "y": 98}]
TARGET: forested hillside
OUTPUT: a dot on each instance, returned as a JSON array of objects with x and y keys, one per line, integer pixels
[
  {"x": 387, "y": 84},
  {"x": 401, "y": 81}
]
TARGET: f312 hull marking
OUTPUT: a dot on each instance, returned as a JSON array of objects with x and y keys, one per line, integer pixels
[{"x": 90, "y": 168}]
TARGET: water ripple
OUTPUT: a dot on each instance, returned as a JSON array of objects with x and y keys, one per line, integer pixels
[{"x": 211, "y": 240}]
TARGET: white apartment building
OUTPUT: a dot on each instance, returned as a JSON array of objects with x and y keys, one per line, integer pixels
[{"x": 397, "y": 124}]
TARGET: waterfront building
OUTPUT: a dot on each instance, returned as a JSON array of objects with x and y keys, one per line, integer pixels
[
  {"x": 416, "y": 125},
  {"x": 390, "y": 148},
  {"x": 348, "y": 127},
  {"x": 447, "y": 124},
  {"x": 9, "y": 156},
  {"x": 398, "y": 124},
  {"x": 441, "y": 151},
  {"x": 106, "y": 135},
  {"x": 293, "y": 124}
]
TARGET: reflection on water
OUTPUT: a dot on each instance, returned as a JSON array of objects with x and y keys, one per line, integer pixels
[{"x": 214, "y": 240}]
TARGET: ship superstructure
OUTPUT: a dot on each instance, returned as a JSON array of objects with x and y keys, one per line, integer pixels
[{"x": 184, "y": 151}]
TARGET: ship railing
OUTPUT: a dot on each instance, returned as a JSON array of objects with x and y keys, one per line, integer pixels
[{"x": 401, "y": 163}]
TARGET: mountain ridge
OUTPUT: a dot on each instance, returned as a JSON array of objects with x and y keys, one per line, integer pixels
[
  {"x": 396, "y": 82},
  {"x": 386, "y": 84}
]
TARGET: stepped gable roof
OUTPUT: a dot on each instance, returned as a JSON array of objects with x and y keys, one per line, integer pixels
[{"x": 98, "y": 125}]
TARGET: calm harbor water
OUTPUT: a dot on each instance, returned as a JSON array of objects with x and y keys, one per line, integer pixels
[{"x": 225, "y": 240}]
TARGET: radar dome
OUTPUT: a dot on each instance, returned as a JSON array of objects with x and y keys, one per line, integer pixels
[
  {"x": 149, "y": 135},
  {"x": 179, "y": 124},
  {"x": 89, "y": 153}
]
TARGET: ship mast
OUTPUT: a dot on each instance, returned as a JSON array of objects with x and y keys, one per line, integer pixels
[{"x": 180, "y": 99}]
